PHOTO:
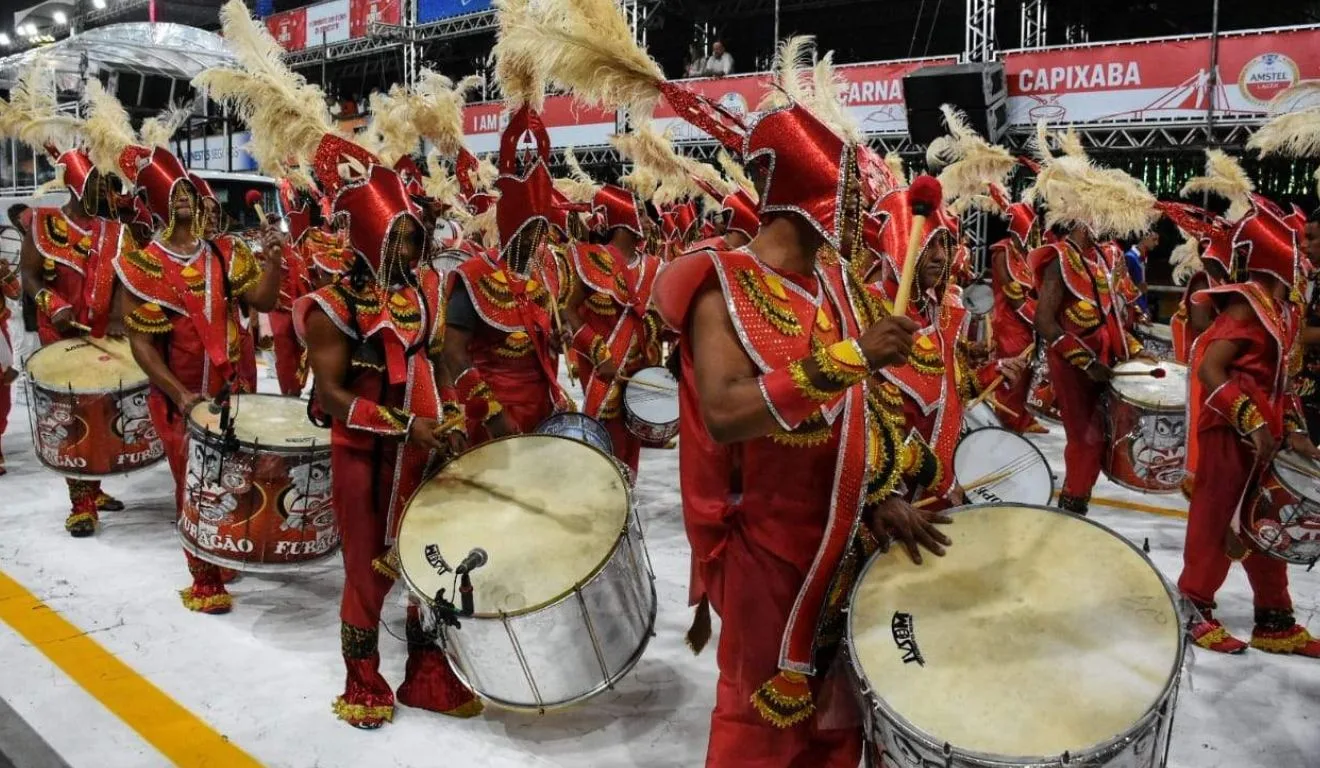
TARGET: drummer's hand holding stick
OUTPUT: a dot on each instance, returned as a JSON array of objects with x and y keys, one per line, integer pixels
[
  {"x": 425, "y": 432},
  {"x": 913, "y": 528}
]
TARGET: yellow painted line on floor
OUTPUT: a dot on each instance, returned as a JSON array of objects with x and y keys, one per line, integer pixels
[
  {"x": 160, "y": 720},
  {"x": 1180, "y": 514}
]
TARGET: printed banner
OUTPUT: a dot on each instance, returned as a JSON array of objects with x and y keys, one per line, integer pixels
[
  {"x": 364, "y": 13},
  {"x": 874, "y": 96},
  {"x": 210, "y": 153},
  {"x": 1158, "y": 79},
  {"x": 327, "y": 22},
  {"x": 289, "y": 29},
  {"x": 569, "y": 124},
  {"x": 432, "y": 10}
]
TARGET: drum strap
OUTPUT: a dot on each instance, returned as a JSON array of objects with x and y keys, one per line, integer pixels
[{"x": 213, "y": 332}]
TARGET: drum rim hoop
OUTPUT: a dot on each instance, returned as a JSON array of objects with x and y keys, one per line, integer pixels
[
  {"x": 877, "y": 704},
  {"x": 627, "y": 407},
  {"x": 629, "y": 516},
  {"x": 1048, "y": 468},
  {"x": 244, "y": 566},
  {"x": 207, "y": 437}
]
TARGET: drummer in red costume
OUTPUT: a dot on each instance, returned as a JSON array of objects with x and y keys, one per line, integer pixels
[
  {"x": 614, "y": 332},
  {"x": 1244, "y": 362},
  {"x": 67, "y": 270},
  {"x": 11, "y": 289},
  {"x": 231, "y": 246},
  {"x": 500, "y": 336},
  {"x": 373, "y": 340},
  {"x": 1014, "y": 313},
  {"x": 1077, "y": 316},
  {"x": 181, "y": 303},
  {"x": 290, "y": 360}
]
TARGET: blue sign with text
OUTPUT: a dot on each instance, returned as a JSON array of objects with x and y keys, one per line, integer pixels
[{"x": 433, "y": 10}]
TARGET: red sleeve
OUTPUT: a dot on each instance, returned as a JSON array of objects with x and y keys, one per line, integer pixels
[{"x": 679, "y": 283}]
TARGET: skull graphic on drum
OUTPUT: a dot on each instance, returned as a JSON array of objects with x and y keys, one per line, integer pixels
[
  {"x": 306, "y": 501},
  {"x": 1159, "y": 448},
  {"x": 133, "y": 424},
  {"x": 216, "y": 483},
  {"x": 57, "y": 426}
]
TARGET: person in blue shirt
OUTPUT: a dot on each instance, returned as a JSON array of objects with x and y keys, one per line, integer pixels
[{"x": 1136, "y": 265}]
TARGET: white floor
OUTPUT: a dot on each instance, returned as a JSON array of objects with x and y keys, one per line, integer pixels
[{"x": 265, "y": 675}]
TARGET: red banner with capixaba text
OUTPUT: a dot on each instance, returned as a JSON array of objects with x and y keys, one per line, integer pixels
[{"x": 1150, "y": 80}]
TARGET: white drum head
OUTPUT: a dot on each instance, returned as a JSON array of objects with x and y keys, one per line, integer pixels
[
  {"x": 265, "y": 420},
  {"x": 448, "y": 261},
  {"x": 1166, "y": 394},
  {"x": 979, "y": 298},
  {"x": 1038, "y": 633},
  {"x": 1006, "y": 466},
  {"x": 981, "y": 416},
  {"x": 1300, "y": 474},
  {"x": 1161, "y": 332},
  {"x": 542, "y": 535},
  {"x": 74, "y": 364},
  {"x": 652, "y": 395}
]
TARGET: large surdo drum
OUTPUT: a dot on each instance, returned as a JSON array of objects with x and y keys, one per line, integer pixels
[
  {"x": 1147, "y": 424},
  {"x": 650, "y": 406},
  {"x": 1157, "y": 339},
  {"x": 566, "y": 603},
  {"x": 259, "y": 500},
  {"x": 1040, "y": 639},
  {"x": 1284, "y": 521},
  {"x": 88, "y": 403}
]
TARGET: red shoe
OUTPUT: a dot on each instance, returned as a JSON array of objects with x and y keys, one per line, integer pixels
[
  {"x": 229, "y": 575},
  {"x": 1277, "y": 632},
  {"x": 1211, "y": 635},
  {"x": 430, "y": 683},
  {"x": 368, "y": 702},
  {"x": 207, "y": 593},
  {"x": 82, "y": 518}
]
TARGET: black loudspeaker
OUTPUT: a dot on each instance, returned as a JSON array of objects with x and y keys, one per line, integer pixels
[
  {"x": 926, "y": 125},
  {"x": 978, "y": 89}
]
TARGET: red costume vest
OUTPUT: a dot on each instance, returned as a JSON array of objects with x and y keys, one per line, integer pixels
[
  {"x": 928, "y": 388},
  {"x": 192, "y": 298},
  {"x": 1014, "y": 326},
  {"x": 798, "y": 494},
  {"x": 512, "y": 349},
  {"x": 1089, "y": 311},
  {"x": 395, "y": 333},
  {"x": 618, "y": 300},
  {"x": 78, "y": 266}
]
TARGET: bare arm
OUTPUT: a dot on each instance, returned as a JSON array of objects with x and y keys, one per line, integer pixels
[
  {"x": 455, "y": 353},
  {"x": 29, "y": 264},
  {"x": 151, "y": 362},
  {"x": 328, "y": 353},
  {"x": 1049, "y": 303},
  {"x": 732, "y": 405}
]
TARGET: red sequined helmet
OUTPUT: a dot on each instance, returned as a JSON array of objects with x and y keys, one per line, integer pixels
[
  {"x": 737, "y": 206},
  {"x": 77, "y": 167},
  {"x": 158, "y": 173},
  {"x": 808, "y": 168},
  {"x": 1214, "y": 234},
  {"x": 203, "y": 188},
  {"x": 525, "y": 200},
  {"x": 407, "y": 168},
  {"x": 890, "y": 242},
  {"x": 1268, "y": 242},
  {"x": 617, "y": 208},
  {"x": 374, "y": 206}
]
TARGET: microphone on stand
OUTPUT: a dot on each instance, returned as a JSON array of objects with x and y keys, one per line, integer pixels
[{"x": 474, "y": 560}]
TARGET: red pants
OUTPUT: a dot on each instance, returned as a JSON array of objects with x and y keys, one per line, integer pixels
[
  {"x": 753, "y": 592},
  {"x": 627, "y": 446},
  {"x": 1081, "y": 406},
  {"x": 1223, "y": 473},
  {"x": 361, "y": 483},
  {"x": 173, "y": 430},
  {"x": 288, "y": 353},
  {"x": 6, "y": 404}
]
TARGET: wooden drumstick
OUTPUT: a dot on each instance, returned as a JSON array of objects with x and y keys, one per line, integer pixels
[
  {"x": 1154, "y": 373},
  {"x": 976, "y": 484},
  {"x": 924, "y": 196},
  {"x": 996, "y": 382},
  {"x": 253, "y": 198},
  {"x": 647, "y": 384}
]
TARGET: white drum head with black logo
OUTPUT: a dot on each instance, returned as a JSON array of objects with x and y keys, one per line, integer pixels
[{"x": 997, "y": 466}]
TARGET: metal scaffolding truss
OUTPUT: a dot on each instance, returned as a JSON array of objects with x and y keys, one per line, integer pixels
[
  {"x": 388, "y": 37},
  {"x": 95, "y": 18},
  {"x": 459, "y": 26},
  {"x": 1034, "y": 23},
  {"x": 979, "y": 36},
  {"x": 1157, "y": 137},
  {"x": 349, "y": 49}
]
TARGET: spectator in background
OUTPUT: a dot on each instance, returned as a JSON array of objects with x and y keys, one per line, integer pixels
[
  {"x": 696, "y": 63},
  {"x": 720, "y": 61},
  {"x": 1136, "y": 257}
]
